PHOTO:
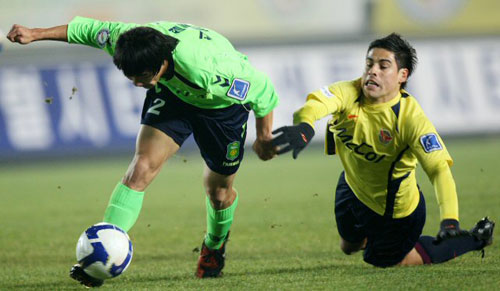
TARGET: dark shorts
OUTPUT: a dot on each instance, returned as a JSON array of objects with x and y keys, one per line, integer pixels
[
  {"x": 219, "y": 133},
  {"x": 389, "y": 240}
]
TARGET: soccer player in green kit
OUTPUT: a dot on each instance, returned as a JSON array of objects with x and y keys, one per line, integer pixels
[
  {"x": 379, "y": 132},
  {"x": 197, "y": 83}
]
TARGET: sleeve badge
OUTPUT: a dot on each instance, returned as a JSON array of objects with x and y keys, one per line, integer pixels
[
  {"x": 430, "y": 142},
  {"x": 239, "y": 89},
  {"x": 102, "y": 37}
]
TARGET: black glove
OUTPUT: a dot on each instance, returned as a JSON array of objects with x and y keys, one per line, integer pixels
[
  {"x": 450, "y": 228},
  {"x": 297, "y": 137}
]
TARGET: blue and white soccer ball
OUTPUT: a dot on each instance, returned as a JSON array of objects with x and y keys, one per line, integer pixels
[{"x": 104, "y": 251}]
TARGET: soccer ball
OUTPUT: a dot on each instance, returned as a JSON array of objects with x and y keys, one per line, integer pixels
[{"x": 104, "y": 251}]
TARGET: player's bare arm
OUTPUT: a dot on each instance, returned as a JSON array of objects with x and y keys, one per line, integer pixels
[
  {"x": 25, "y": 35},
  {"x": 262, "y": 145}
]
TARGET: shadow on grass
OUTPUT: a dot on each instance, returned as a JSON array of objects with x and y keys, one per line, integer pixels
[
  {"x": 289, "y": 270},
  {"x": 262, "y": 272}
]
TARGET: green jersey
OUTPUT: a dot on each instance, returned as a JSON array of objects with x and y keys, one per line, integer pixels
[{"x": 208, "y": 72}]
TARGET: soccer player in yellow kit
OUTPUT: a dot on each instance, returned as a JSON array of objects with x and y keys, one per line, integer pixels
[{"x": 379, "y": 131}]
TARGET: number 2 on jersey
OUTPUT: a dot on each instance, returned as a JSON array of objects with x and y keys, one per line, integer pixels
[{"x": 159, "y": 103}]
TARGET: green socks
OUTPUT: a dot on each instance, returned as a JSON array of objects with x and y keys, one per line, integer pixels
[
  {"x": 218, "y": 224},
  {"x": 123, "y": 207}
]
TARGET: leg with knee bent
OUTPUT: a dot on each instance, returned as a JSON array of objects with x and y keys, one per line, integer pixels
[
  {"x": 153, "y": 148},
  {"x": 429, "y": 251}
]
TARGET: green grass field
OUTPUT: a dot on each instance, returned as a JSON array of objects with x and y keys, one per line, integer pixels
[{"x": 284, "y": 235}]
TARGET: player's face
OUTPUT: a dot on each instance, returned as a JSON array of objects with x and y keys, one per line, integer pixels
[
  {"x": 382, "y": 79},
  {"x": 149, "y": 80}
]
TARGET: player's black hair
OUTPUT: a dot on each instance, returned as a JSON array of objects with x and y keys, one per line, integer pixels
[
  {"x": 143, "y": 50},
  {"x": 404, "y": 53}
]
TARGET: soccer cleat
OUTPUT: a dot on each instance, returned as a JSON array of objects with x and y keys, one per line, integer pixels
[
  {"x": 211, "y": 262},
  {"x": 79, "y": 275},
  {"x": 483, "y": 231}
]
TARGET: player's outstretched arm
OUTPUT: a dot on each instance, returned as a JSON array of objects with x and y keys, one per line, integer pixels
[
  {"x": 294, "y": 138},
  {"x": 25, "y": 35}
]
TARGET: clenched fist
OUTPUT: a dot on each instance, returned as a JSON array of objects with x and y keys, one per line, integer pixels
[{"x": 21, "y": 34}]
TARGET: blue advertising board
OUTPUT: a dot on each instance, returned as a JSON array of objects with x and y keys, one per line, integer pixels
[{"x": 67, "y": 108}]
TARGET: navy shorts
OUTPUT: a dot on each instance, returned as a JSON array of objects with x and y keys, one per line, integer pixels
[
  {"x": 389, "y": 240},
  {"x": 219, "y": 133}
]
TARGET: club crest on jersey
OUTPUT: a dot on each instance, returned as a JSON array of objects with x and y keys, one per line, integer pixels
[
  {"x": 233, "y": 150},
  {"x": 385, "y": 136},
  {"x": 430, "y": 142},
  {"x": 239, "y": 89},
  {"x": 102, "y": 37}
]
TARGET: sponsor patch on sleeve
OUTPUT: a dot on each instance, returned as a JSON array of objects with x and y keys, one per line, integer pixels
[
  {"x": 239, "y": 89},
  {"x": 326, "y": 91},
  {"x": 102, "y": 37},
  {"x": 430, "y": 142}
]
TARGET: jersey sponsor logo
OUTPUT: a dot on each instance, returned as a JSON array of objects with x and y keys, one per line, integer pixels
[
  {"x": 385, "y": 136},
  {"x": 326, "y": 91},
  {"x": 430, "y": 142},
  {"x": 239, "y": 89},
  {"x": 102, "y": 37},
  {"x": 233, "y": 150},
  {"x": 365, "y": 150},
  {"x": 231, "y": 164}
]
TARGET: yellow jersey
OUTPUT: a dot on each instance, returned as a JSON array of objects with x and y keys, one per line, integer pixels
[{"x": 379, "y": 146}]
